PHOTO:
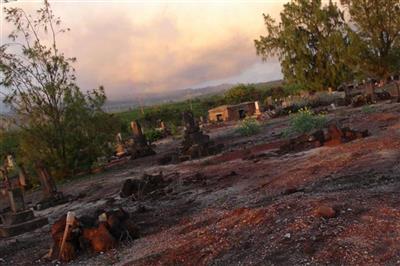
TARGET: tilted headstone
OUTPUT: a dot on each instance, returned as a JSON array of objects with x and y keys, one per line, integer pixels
[{"x": 48, "y": 185}]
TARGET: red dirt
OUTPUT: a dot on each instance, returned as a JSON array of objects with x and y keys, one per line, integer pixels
[{"x": 253, "y": 206}]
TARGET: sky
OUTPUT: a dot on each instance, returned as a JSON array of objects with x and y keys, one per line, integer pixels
[{"x": 139, "y": 47}]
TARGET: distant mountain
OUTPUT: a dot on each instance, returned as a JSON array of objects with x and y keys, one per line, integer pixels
[
  {"x": 177, "y": 95},
  {"x": 165, "y": 97}
]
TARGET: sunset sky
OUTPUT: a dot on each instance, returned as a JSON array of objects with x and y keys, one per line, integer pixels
[{"x": 134, "y": 47}]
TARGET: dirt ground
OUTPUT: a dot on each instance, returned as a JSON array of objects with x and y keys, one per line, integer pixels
[{"x": 249, "y": 205}]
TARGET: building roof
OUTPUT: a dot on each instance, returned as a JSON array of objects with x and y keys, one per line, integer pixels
[
  {"x": 219, "y": 108},
  {"x": 224, "y": 107}
]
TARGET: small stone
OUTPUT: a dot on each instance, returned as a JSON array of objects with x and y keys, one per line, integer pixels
[
  {"x": 287, "y": 235},
  {"x": 325, "y": 212}
]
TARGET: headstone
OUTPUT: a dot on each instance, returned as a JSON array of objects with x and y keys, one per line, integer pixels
[
  {"x": 162, "y": 125},
  {"x": 19, "y": 220},
  {"x": 137, "y": 145},
  {"x": 23, "y": 177},
  {"x": 119, "y": 138},
  {"x": 50, "y": 194},
  {"x": 195, "y": 144},
  {"x": 48, "y": 186},
  {"x": 119, "y": 147},
  {"x": 10, "y": 162},
  {"x": 136, "y": 129},
  {"x": 257, "y": 106}
]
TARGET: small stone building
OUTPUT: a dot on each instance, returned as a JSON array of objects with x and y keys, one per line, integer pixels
[{"x": 233, "y": 112}]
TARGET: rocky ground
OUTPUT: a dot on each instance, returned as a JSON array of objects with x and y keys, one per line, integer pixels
[{"x": 329, "y": 205}]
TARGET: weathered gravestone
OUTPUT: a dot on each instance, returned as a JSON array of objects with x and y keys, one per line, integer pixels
[
  {"x": 119, "y": 147},
  {"x": 195, "y": 144},
  {"x": 137, "y": 145},
  {"x": 51, "y": 196},
  {"x": 19, "y": 219}
]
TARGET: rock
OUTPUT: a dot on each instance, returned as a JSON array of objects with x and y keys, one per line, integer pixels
[
  {"x": 98, "y": 233},
  {"x": 100, "y": 239},
  {"x": 325, "y": 212},
  {"x": 141, "y": 187}
]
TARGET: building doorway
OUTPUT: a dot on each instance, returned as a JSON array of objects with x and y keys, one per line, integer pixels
[{"x": 242, "y": 114}]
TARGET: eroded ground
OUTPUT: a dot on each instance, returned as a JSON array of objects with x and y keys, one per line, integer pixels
[{"x": 250, "y": 205}]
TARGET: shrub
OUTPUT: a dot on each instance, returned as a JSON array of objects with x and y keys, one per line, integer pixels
[
  {"x": 248, "y": 127},
  {"x": 153, "y": 135},
  {"x": 304, "y": 121}
]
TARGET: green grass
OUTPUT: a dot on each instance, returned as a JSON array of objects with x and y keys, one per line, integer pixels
[{"x": 368, "y": 109}]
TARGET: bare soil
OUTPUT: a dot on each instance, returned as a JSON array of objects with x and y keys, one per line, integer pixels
[{"x": 249, "y": 205}]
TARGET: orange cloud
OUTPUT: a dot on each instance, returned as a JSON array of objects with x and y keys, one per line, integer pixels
[{"x": 154, "y": 46}]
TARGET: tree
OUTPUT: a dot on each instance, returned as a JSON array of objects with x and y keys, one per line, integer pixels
[
  {"x": 311, "y": 42},
  {"x": 377, "y": 25},
  {"x": 59, "y": 124},
  {"x": 242, "y": 93}
]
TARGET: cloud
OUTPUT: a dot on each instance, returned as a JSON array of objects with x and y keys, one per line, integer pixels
[{"x": 132, "y": 48}]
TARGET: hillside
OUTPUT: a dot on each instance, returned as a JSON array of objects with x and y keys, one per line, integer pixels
[{"x": 176, "y": 96}]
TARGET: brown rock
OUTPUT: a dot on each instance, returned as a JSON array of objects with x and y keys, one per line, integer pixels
[
  {"x": 99, "y": 238},
  {"x": 325, "y": 212}
]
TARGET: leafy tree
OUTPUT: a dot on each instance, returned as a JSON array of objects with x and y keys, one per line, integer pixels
[
  {"x": 9, "y": 141},
  {"x": 311, "y": 42},
  {"x": 377, "y": 25},
  {"x": 60, "y": 126},
  {"x": 242, "y": 93}
]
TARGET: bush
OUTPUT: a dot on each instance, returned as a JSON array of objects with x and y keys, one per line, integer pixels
[
  {"x": 248, "y": 127},
  {"x": 153, "y": 135},
  {"x": 305, "y": 121}
]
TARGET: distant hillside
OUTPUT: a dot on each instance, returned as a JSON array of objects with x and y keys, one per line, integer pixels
[
  {"x": 178, "y": 95},
  {"x": 165, "y": 97}
]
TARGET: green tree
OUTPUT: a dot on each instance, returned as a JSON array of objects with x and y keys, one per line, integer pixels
[
  {"x": 311, "y": 42},
  {"x": 377, "y": 26},
  {"x": 59, "y": 125},
  {"x": 242, "y": 93}
]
